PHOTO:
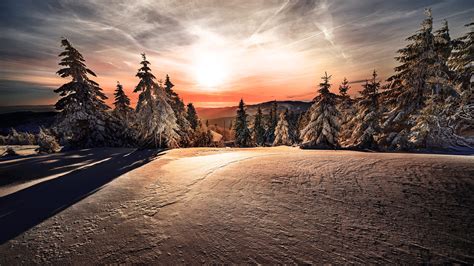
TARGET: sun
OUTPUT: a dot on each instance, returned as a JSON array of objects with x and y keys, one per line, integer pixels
[{"x": 210, "y": 71}]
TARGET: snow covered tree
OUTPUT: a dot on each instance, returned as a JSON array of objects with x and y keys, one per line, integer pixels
[
  {"x": 411, "y": 85},
  {"x": 156, "y": 121},
  {"x": 344, "y": 88},
  {"x": 185, "y": 130},
  {"x": 259, "y": 129},
  {"x": 271, "y": 123},
  {"x": 293, "y": 120},
  {"x": 242, "y": 132},
  {"x": 322, "y": 128},
  {"x": 345, "y": 105},
  {"x": 203, "y": 136},
  {"x": 462, "y": 62},
  {"x": 441, "y": 80},
  {"x": 83, "y": 117},
  {"x": 122, "y": 103},
  {"x": 282, "y": 130},
  {"x": 462, "y": 59},
  {"x": 191, "y": 116},
  {"x": 366, "y": 124}
]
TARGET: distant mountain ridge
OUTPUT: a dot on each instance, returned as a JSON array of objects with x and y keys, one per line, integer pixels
[
  {"x": 220, "y": 112},
  {"x": 27, "y": 108}
]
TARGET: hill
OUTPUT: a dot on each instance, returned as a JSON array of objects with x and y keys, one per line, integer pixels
[{"x": 221, "y": 112}]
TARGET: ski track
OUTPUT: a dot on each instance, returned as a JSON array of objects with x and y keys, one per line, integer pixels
[{"x": 267, "y": 205}]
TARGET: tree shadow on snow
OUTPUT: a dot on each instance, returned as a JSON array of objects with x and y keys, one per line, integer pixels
[{"x": 26, "y": 208}]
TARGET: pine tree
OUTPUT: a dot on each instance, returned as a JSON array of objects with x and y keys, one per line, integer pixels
[
  {"x": 462, "y": 59},
  {"x": 441, "y": 79},
  {"x": 271, "y": 123},
  {"x": 343, "y": 88},
  {"x": 242, "y": 132},
  {"x": 462, "y": 62},
  {"x": 345, "y": 105},
  {"x": 411, "y": 85},
  {"x": 122, "y": 103},
  {"x": 83, "y": 118},
  {"x": 191, "y": 116},
  {"x": 282, "y": 130},
  {"x": 322, "y": 129},
  {"x": 185, "y": 130},
  {"x": 366, "y": 124},
  {"x": 293, "y": 120},
  {"x": 259, "y": 129},
  {"x": 156, "y": 122}
]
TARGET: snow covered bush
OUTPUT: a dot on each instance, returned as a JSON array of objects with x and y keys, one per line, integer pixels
[
  {"x": 19, "y": 138},
  {"x": 47, "y": 143}
]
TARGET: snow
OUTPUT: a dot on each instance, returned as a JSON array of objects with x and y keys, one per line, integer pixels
[{"x": 254, "y": 205}]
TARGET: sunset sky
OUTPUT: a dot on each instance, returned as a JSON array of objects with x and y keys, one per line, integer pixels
[{"x": 215, "y": 52}]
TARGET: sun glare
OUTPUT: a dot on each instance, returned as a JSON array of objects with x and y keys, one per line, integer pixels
[{"x": 210, "y": 71}]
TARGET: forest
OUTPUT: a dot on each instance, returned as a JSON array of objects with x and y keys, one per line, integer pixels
[{"x": 427, "y": 104}]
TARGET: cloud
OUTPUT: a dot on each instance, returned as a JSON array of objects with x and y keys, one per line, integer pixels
[{"x": 269, "y": 47}]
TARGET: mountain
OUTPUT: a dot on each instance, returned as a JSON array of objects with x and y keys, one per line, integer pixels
[
  {"x": 27, "y": 108},
  {"x": 229, "y": 112}
]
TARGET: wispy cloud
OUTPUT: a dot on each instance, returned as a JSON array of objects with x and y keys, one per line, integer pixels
[{"x": 261, "y": 48}]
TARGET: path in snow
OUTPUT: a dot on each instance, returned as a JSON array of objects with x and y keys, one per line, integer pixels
[{"x": 265, "y": 205}]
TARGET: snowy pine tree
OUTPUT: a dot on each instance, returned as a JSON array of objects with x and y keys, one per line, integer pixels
[
  {"x": 259, "y": 129},
  {"x": 344, "y": 88},
  {"x": 322, "y": 128},
  {"x": 185, "y": 130},
  {"x": 345, "y": 105},
  {"x": 271, "y": 123},
  {"x": 122, "y": 103},
  {"x": 242, "y": 132},
  {"x": 155, "y": 122},
  {"x": 462, "y": 59},
  {"x": 282, "y": 130},
  {"x": 462, "y": 62},
  {"x": 366, "y": 124},
  {"x": 411, "y": 85},
  {"x": 191, "y": 116},
  {"x": 83, "y": 118}
]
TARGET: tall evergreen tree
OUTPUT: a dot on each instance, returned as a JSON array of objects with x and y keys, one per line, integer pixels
[
  {"x": 122, "y": 103},
  {"x": 322, "y": 129},
  {"x": 83, "y": 118},
  {"x": 258, "y": 128},
  {"x": 272, "y": 123},
  {"x": 442, "y": 75},
  {"x": 156, "y": 122},
  {"x": 184, "y": 127},
  {"x": 242, "y": 132},
  {"x": 462, "y": 59},
  {"x": 366, "y": 124},
  {"x": 411, "y": 85},
  {"x": 282, "y": 130},
  {"x": 462, "y": 62},
  {"x": 191, "y": 116},
  {"x": 344, "y": 88}
]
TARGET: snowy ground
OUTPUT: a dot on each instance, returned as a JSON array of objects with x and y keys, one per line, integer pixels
[{"x": 261, "y": 205}]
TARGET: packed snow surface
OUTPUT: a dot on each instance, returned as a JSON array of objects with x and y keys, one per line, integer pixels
[{"x": 258, "y": 205}]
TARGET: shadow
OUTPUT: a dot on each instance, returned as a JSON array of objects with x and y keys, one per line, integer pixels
[{"x": 26, "y": 208}]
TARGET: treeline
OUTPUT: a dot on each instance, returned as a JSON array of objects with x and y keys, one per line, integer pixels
[
  {"x": 427, "y": 104},
  {"x": 160, "y": 119}
]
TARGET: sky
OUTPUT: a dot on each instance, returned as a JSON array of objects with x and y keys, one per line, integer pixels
[{"x": 215, "y": 52}]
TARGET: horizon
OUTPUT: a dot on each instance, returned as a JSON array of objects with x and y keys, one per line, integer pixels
[{"x": 215, "y": 52}]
